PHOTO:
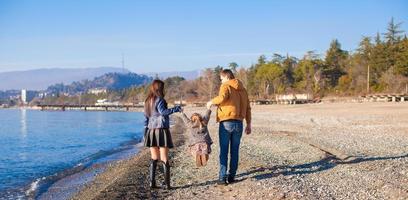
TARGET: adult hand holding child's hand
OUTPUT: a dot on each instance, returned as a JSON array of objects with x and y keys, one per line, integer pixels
[
  {"x": 178, "y": 108},
  {"x": 209, "y": 104}
]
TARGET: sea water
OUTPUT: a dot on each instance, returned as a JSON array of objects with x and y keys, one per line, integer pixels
[{"x": 39, "y": 147}]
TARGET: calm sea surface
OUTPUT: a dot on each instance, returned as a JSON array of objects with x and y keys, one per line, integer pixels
[{"x": 35, "y": 144}]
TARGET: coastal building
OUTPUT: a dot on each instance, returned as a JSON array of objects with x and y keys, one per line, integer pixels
[
  {"x": 97, "y": 91},
  {"x": 105, "y": 102},
  {"x": 182, "y": 102},
  {"x": 42, "y": 94},
  {"x": 24, "y": 96},
  {"x": 101, "y": 101}
]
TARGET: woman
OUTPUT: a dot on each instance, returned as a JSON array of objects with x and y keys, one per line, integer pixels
[{"x": 157, "y": 133}]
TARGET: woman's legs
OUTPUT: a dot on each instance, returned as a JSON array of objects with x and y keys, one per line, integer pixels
[
  {"x": 164, "y": 151},
  {"x": 159, "y": 153},
  {"x": 154, "y": 151}
]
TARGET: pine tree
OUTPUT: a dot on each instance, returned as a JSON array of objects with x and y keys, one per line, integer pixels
[
  {"x": 335, "y": 57},
  {"x": 401, "y": 64},
  {"x": 233, "y": 66},
  {"x": 288, "y": 66},
  {"x": 394, "y": 33}
]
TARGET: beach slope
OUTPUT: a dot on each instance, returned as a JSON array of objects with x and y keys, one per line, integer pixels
[{"x": 313, "y": 151}]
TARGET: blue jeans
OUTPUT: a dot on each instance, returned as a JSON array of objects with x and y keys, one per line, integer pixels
[{"x": 230, "y": 133}]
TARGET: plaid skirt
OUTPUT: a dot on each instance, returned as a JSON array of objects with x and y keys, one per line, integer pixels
[{"x": 160, "y": 137}]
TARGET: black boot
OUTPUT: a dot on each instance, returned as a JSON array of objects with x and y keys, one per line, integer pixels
[
  {"x": 166, "y": 170},
  {"x": 152, "y": 173}
]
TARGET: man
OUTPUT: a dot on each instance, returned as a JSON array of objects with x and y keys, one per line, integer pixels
[{"x": 233, "y": 108}]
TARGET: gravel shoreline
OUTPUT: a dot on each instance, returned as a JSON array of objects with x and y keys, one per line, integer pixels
[
  {"x": 312, "y": 151},
  {"x": 127, "y": 179}
]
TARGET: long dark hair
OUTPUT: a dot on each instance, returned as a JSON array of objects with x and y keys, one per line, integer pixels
[{"x": 156, "y": 90}]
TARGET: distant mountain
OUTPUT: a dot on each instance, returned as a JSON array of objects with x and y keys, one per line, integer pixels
[
  {"x": 40, "y": 79},
  {"x": 188, "y": 75},
  {"x": 111, "y": 81}
]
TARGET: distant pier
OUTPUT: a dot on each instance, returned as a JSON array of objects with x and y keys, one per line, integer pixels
[
  {"x": 385, "y": 98},
  {"x": 64, "y": 107},
  {"x": 286, "y": 99},
  {"x": 306, "y": 98}
]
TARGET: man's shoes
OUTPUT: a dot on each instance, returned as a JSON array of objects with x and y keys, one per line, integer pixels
[
  {"x": 222, "y": 182},
  {"x": 231, "y": 179}
]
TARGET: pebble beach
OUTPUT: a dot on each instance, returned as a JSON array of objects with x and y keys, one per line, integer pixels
[{"x": 308, "y": 151}]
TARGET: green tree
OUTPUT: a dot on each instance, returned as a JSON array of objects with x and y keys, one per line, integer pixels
[
  {"x": 308, "y": 74},
  {"x": 393, "y": 34},
  {"x": 233, "y": 66},
  {"x": 378, "y": 62},
  {"x": 277, "y": 58},
  {"x": 401, "y": 64},
  {"x": 334, "y": 61},
  {"x": 355, "y": 81},
  {"x": 252, "y": 82},
  {"x": 172, "y": 88},
  {"x": 288, "y": 65},
  {"x": 270, "y": 74}
]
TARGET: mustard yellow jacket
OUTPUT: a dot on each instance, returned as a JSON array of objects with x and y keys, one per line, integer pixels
[{"x": 232, "y": 102}]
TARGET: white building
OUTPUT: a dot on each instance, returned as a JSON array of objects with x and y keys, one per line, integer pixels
[
  {"x": 42, "y": 94},
  {"x": 97, "y": 91},
  {"x": 24, "y": 96},
  {"x": 105, "y": 102},
  {"x": 178, "y": 102},
  {"x": 101, "y": 101}
]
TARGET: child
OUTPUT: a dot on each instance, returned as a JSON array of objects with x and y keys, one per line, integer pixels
[{"x": 199, "y": 137}]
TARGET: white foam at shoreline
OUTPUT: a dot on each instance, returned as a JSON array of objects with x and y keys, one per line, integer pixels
[
  {"x": 68, "y": 185},
  {"x": 34, "y": 186}
]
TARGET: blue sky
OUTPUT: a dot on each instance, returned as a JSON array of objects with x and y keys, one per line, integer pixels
[{"x": 180, "y": 35}]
